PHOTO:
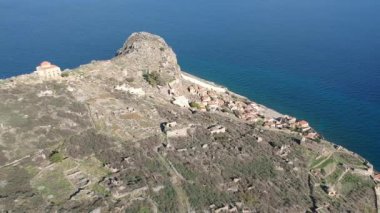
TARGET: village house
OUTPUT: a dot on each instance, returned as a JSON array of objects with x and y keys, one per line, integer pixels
[
  {"x": 246, "y": 110},
  {"x": 304, "y": 125},
  {"x": 232, "y": 106},
  {"x": 212, "y": 94},
  {"x": 206, "y": 98},
  {"x": 200, "y": 91},
  {"x": 250, "y": 116},
  {"x": 48, "y": 71},
  {"x": 376, "y": 177},
  {"x": 313, "y": 136},
  {"x": 291, "y": 120},
  {"x": 270, "y": 123},
  {"x": 252, "y": 107}
]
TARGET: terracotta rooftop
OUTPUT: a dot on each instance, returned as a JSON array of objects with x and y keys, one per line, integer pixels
[
  {"x": 377, "y": 176},
  {"x": 303, "y": 122},
  {"x": 45, "y": 64}
]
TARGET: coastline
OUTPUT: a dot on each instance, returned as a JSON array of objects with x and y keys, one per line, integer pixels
[
  {"x": 266, "y": 110},
  {"x": 222, "y": 89}
]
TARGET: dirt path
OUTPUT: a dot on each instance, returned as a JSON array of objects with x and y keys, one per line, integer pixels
[
  {"x": 176, "y": 180},
  {"x": 15, "y": 162},
  {"x": 320, "y": 163},
  {"x": 341, "y": 176}
]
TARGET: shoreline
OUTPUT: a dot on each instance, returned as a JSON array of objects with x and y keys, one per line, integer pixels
[
  {"x": 222, "y": 89},
  {"x": 266, "y": 111}
]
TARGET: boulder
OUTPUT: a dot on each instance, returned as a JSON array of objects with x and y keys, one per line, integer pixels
[{"x": 181, "y": 101}]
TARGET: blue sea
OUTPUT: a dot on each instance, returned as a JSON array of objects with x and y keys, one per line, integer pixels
[{"x": 316, "y": 60}]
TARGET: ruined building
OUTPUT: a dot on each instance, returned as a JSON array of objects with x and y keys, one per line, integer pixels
[{"x": 48, "y": 71}]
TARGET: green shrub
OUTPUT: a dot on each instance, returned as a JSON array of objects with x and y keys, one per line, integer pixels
[
  {"x": 260, "y": 122},
  {"x": 65, "y": 74},
  {"x": 56, "y": 157},
  {"x": 195, "y": 105},
  {"x": 154, "y": 78}
]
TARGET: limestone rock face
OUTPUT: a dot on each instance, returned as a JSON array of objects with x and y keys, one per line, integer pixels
[{"x": 152, "y": 53}]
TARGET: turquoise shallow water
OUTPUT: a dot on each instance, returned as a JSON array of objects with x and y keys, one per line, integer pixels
[{"x": 317, "y": 60}]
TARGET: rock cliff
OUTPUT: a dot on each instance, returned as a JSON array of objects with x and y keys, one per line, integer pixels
[{"x": 132, "y": 134}]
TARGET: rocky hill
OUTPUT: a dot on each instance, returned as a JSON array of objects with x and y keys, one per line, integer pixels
[{"x": 137, "y": 134}]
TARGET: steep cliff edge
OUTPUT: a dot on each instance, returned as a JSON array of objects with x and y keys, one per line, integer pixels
[{"x": 137, "y": 134}]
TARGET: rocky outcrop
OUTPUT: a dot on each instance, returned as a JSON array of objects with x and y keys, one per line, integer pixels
[{"x": 152, "y": 54}]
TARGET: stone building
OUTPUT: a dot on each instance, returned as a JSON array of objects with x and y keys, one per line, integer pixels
[{"x": 47, "y": 71}]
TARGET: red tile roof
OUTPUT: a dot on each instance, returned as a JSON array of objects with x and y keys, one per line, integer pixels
[
  {"x": 45, "y": 64},
  {"x": 303, "y": 122},
  {"x": 377, "y": 176}
]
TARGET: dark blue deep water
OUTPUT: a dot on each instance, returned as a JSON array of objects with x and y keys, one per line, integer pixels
[{"x": 317, "y": 60}]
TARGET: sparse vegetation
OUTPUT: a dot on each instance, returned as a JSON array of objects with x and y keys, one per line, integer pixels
[
  {"x": 93, "y": 167},
  {"x": 65, "y": 74},
  {"x": 195, "y": 105},
  {"x": 201, "y": 197},
  {"x": 53, "y": 185},
  {"x": 333, "y": 177},
  {"x": 326, "y": 163},
  {"x": 317, "y": 161},
  {"x": 89, "y": 142},
  {"x": 260, "y": 122},
  {"x": 154, "y": 78},
  {"x": 185, "y": 171},
  {"x": 166, "y": 199},
  {"x": 139, "y": 207},
  {"x": 349, "y": 159},
  {"x": 56, "y": 157},
  {"x": 352, "y": 182},
  {"x": 261, "y": 168},
  {"x": 100, "y": 190}
]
